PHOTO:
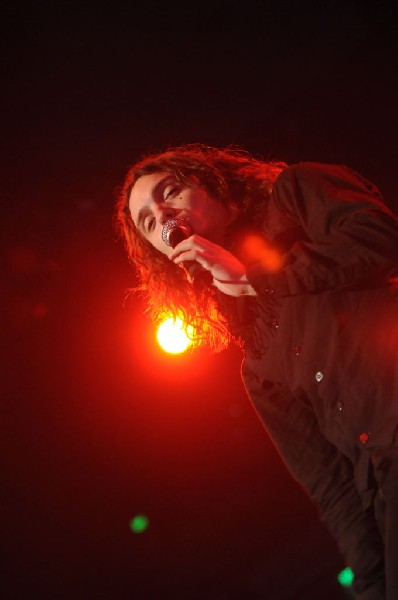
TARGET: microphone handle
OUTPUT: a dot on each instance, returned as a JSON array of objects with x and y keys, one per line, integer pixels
[{"x": 200, "y": 277}]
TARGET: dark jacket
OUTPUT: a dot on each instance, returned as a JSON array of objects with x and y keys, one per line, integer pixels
[{"x": 321, "y": 359}]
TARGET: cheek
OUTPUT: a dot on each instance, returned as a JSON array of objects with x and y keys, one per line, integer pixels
[
  {"x": 201, "y": 207},
  {"x": 159, "y": 244}
]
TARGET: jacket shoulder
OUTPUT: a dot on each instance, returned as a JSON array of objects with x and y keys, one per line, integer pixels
[{"x": 311, "y": 170}]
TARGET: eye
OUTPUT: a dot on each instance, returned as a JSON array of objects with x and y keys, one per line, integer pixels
[
  {"x": 170, "y": 191},
  {"x": 149, "y": 223}
]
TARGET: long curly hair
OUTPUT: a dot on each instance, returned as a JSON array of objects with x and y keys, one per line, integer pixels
[{"x": 231, "y": 175}]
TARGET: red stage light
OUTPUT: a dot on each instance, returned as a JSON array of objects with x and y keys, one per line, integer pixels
[{"x": 173, "y": 336}]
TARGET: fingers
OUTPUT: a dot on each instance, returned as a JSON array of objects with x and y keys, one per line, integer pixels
[
  {"x": 199, "y": 256},
  {"x": 194, "y": 246},
  {"x": 229, "y": 274}
]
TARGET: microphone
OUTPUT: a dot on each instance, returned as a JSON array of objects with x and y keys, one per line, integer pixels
[{"x": 173, "y": 232}]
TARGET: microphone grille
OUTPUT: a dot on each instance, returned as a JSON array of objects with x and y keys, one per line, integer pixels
[{"x": 177, "y": 226}]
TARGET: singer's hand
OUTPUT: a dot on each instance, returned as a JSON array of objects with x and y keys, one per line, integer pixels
[{"x": 229, "y": 274}]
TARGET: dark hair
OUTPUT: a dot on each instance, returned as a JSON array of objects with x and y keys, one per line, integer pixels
[{"x": 232, "y": 176}]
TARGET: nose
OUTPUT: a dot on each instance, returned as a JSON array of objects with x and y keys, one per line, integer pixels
[{"x": 163, "y": 212}]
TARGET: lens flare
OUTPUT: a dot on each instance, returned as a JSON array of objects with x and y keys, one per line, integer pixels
[
  {"x": 139, "y": 523},
  {"x": 173, "y": 336},
  {"x": 346, "y": 577},
  {"x": 256, "y": 250}
]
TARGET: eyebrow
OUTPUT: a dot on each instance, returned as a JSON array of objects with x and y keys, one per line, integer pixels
[{"x": 145, "y": 210}]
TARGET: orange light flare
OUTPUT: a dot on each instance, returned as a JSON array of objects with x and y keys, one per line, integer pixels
[
  {"x": 255, "y": 249},
  {"x": 173, "y": 336}
]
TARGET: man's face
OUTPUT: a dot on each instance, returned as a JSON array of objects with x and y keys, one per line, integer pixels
[{"x": 157, "y": 197}]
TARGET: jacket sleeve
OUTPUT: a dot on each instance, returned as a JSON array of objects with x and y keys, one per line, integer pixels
[
  {"x": 350, "y": 235},
  {"x": 325, "y": 474}
]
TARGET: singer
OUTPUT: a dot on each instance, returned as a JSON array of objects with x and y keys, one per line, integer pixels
[{"x": 302, "y": 266}]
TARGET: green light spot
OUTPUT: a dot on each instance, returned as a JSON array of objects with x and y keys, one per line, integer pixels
[
  {"x": 346, "y": 577},
  {"x": 139, "y": 523}
]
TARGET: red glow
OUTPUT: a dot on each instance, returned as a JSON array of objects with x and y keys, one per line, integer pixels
[
  {"x": 40, "y": 310},
  {"x": 256, "y": 249},
  {"x": 172, "y": 336}
]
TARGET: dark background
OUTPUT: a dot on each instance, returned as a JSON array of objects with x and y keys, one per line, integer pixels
[{"x": 97, "y": 424}]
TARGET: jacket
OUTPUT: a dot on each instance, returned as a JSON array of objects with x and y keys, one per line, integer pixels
[{"x": 321, "y": 356}]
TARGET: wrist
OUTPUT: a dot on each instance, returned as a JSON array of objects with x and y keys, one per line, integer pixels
[{"x": 235, "y": 287}]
